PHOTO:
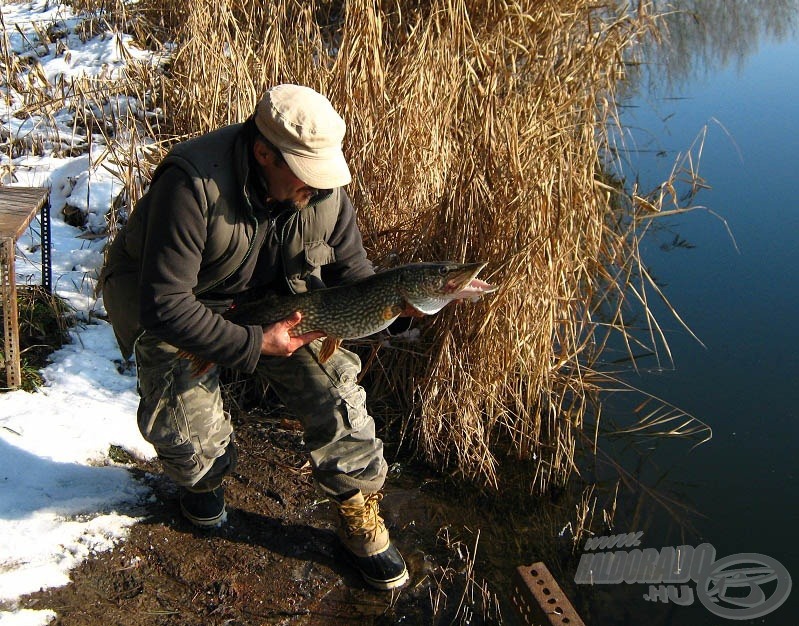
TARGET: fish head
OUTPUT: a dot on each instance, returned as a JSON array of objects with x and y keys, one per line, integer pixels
[{"x": 429, "y": 287}]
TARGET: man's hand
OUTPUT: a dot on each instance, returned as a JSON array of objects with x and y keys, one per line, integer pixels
[{"x": 278, "y": 340}]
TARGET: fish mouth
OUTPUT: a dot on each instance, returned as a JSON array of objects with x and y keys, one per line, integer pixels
[{"x": 463, "y": 284}]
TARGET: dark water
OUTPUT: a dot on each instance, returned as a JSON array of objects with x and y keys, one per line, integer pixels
[{"x": 732, "y": 77}]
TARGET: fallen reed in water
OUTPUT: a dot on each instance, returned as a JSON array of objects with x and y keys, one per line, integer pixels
[{"x": 476, "y": 131}]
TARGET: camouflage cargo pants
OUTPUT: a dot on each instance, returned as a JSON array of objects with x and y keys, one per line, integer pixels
[{"x": 182, "y": 416}]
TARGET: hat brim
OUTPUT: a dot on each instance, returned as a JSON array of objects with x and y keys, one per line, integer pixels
[{"x": 322, "y": 173}]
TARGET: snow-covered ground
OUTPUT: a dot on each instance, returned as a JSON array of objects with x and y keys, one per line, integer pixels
[{"x": 61, "y": 498}]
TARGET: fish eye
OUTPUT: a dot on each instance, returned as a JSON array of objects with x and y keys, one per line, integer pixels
[{"x": 442, "y": 270}]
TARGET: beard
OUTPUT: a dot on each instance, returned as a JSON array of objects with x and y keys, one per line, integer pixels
[{"x": 289, "y": 205}]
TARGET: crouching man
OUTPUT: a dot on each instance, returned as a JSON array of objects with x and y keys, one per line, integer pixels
[{"x": 246, "y": 208}]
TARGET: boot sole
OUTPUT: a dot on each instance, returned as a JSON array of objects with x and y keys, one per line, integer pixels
[
  {"x": 376, "y": 583},
  {"x": 386, "y": 585},
  {"x": 205, "y": 522}
]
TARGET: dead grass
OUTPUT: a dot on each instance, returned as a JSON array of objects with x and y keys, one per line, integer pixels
[{"x": 476, "y": 131}]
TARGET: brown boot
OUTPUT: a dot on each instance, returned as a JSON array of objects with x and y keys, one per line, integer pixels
[{"x": 364, "y": 536}]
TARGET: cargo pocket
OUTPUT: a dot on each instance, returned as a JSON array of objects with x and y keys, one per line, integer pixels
[
  {"x": 342, "y": 369},
  {"x": 157, "y": 417},
  {"x": 162, "y": 420},
  {"x": 355, "y": 405}
]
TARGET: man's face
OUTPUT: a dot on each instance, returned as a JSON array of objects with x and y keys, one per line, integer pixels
[{"x": 284, "y": 186}]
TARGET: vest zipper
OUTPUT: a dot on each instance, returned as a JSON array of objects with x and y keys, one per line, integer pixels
[{"x": 282, "y": 244}]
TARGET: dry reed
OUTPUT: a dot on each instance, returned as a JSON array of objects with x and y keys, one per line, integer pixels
[{"x": 476, "y": 131}]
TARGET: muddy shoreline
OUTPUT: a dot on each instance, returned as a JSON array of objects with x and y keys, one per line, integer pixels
[{"x": 277, "y": 560}]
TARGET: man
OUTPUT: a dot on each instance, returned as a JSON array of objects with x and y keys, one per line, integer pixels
[{"x": 250, "y": 207}]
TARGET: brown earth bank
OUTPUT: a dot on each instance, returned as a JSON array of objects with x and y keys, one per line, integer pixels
[{"x": 277, "y": 560}]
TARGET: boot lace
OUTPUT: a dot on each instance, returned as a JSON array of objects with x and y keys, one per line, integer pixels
[{"x": 363, "y": 519}]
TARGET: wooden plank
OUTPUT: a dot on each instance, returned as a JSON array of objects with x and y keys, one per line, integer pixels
[
  {"x": 539, "y": 600},
  {"x": 18, "y": 207}
]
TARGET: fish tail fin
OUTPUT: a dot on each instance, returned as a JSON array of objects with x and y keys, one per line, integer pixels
[{"x": 198, "y": 365}]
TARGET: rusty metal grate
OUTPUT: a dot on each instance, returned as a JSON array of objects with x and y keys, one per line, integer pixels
[{"x": 539, "y": 600}]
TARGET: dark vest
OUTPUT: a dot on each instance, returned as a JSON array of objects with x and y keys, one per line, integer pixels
[{"x": 216, "y": 163}]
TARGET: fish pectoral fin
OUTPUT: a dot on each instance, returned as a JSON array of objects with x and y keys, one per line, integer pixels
[
  {"x": 329, "y": 346},
  {"x": 391, "y": 312}
]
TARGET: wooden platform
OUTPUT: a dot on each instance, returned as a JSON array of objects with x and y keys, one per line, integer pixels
[{"x": 18, "y": 207}]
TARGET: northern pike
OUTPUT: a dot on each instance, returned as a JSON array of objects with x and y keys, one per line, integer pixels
[{"x": 369, "y": 305}]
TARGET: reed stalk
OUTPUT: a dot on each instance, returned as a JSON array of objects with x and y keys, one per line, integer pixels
[{"x": 477, "y": 130}]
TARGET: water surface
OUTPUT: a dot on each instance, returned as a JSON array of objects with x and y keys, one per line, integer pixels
[{"x": 733, "y": 77}]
